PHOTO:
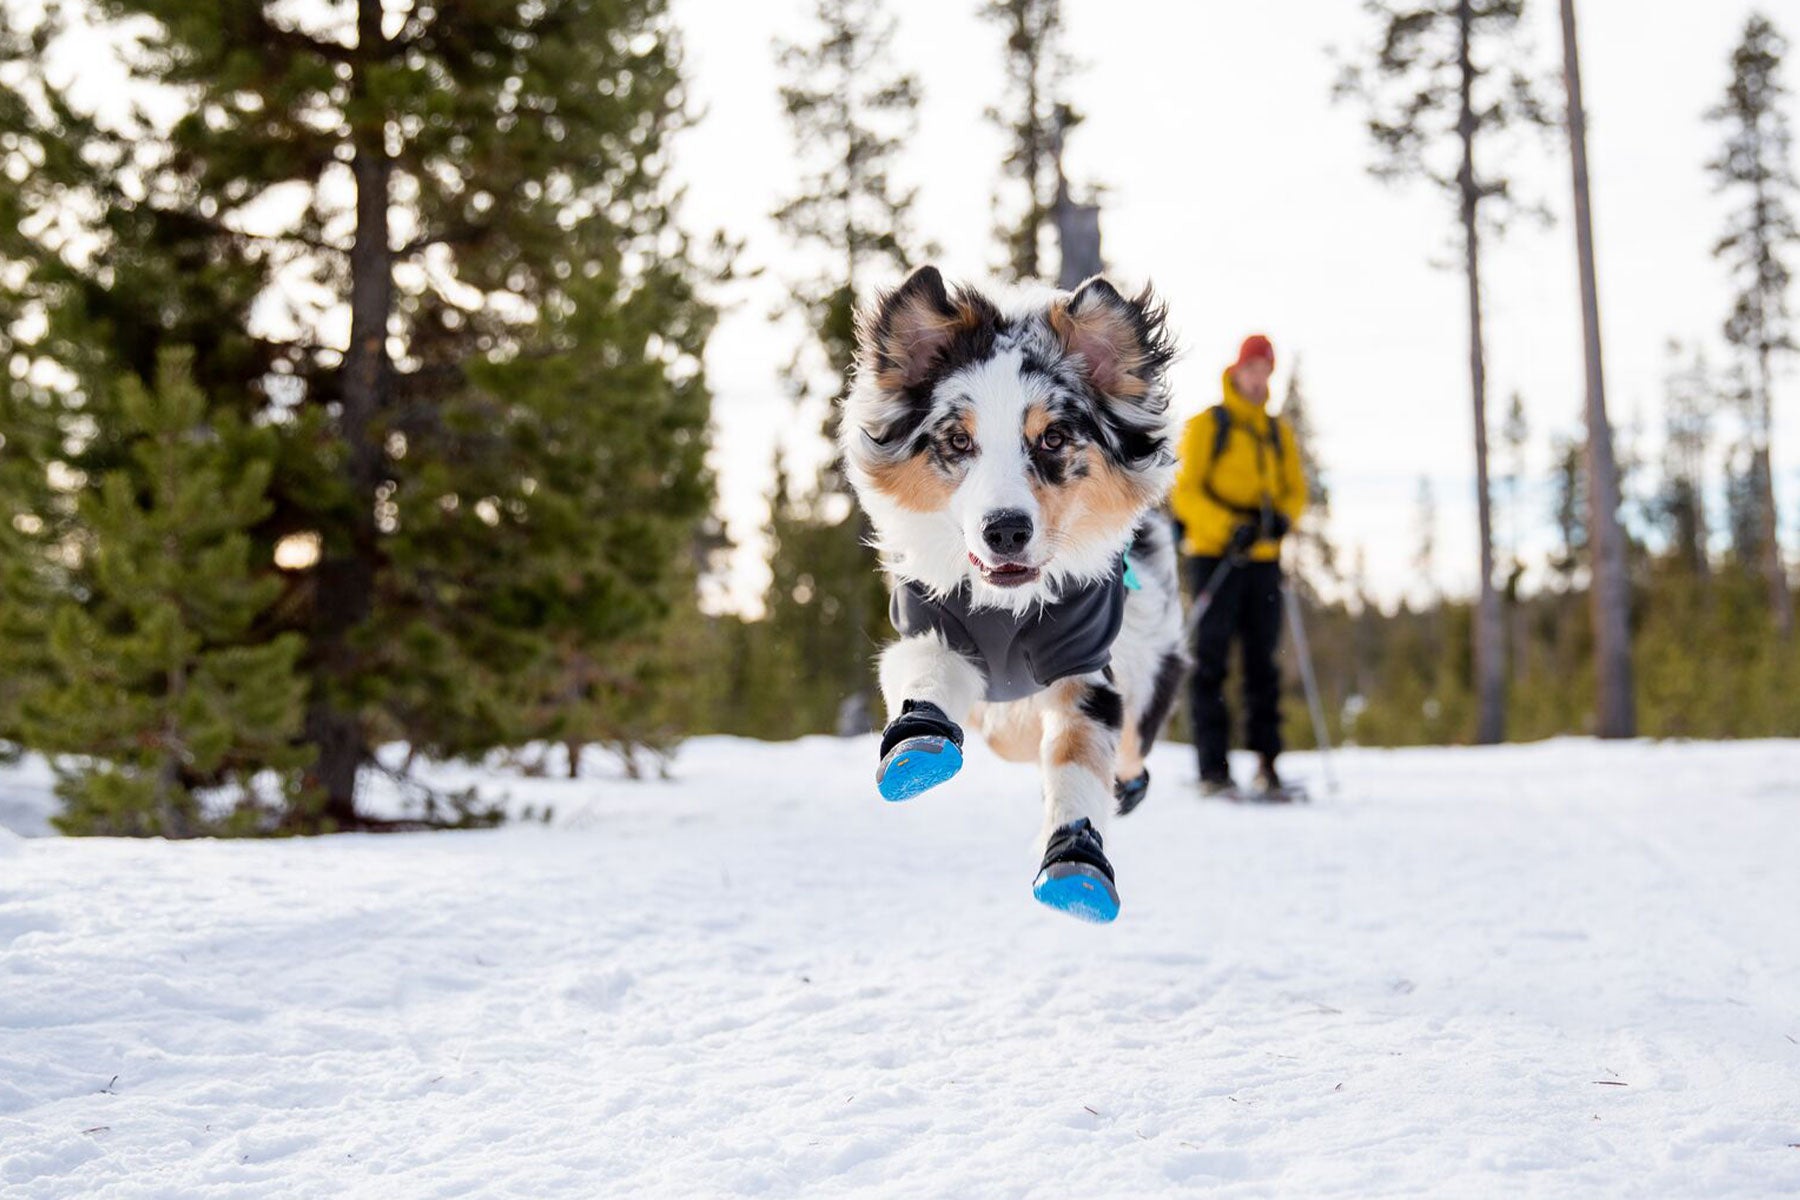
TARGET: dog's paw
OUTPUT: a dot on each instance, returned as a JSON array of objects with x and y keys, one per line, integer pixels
[
  {"x": 1075, "y": 877},
  {"x": 920, "y": 749},
  {"x": 1081, "y": 891},
  {"x": 916, "y": 764}
]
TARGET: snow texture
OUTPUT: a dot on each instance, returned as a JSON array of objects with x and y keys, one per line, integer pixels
[{"x": 1562, "y": 969}]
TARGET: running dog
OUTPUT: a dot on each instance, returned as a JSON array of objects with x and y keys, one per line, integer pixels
[{"x": 1012, "y": 456}]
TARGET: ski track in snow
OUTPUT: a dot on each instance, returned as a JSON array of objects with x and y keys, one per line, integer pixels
[{"x": 1569, "y": 968}]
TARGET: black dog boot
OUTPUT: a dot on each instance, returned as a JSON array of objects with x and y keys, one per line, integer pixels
[
  {"x": 1131, "y": 792},
  {"x": 920, "y": 749},
  {"x": 1076, "y": 877}
]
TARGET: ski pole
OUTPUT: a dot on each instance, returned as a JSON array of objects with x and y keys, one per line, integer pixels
[
  {"x": 1311, "y": 683},
  {"x": 1204, "y": 598}
]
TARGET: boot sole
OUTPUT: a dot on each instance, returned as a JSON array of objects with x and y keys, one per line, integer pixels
[
  {"x": 916, "y": 765},
  {"x": 1079, "y": 890}
]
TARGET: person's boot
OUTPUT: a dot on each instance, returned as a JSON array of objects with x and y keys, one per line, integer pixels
[
  {"x": 1217, "y": 783},
  {"x": 1269, "y": 787},
  {"x": 1076, "y": 877},
  {"x": 920, "y": 749}
]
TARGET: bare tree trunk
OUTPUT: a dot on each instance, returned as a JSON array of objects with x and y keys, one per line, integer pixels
[
  {"x": 1035, "y": 213},
  {"x": 1610, "y": 590},
  {"x": 1490, "y": 626},
  {"x": 1077, "y": 231},
  {"x": 345, "y": 577}
]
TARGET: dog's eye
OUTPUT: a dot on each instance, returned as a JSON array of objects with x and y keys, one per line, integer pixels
[
  {"x": 961, "y": 442},
  {"x": 1052, "y": 440}
]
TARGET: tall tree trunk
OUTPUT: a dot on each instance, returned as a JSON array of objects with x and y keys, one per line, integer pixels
[
  {"x": 1490, "y": 627},
  {"x": 1781, "y": 601},
  {"x": 346, "y": 571},
  {"x": 1610, "y": 591},
  {"x": 1027, "y": 267},
  {"x": 1077, "y": 231}
]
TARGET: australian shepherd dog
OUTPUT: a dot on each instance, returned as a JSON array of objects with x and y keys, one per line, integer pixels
[{"x": 1012, "y": 455}]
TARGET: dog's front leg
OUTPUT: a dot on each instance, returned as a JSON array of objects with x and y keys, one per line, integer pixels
[
  {"x": 1082, "y": 719},
  {"x": 929, "y": 689}
]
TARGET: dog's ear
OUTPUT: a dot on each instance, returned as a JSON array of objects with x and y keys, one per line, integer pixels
[
  {"x": 1124, "y": 344},
  {"x": 917, "y": 328}
]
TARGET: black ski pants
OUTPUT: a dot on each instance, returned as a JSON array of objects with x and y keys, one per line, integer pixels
[{"x": 1246, "y": 608}]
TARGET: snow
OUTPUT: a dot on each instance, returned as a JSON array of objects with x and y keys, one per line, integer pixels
[{"x": 1568, "y": 968}]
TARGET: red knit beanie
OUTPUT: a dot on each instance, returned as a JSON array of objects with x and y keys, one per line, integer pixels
[{"x": 1255, "y": 346}]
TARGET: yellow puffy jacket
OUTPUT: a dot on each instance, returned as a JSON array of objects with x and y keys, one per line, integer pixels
[{"x": 1257, "y": 467}]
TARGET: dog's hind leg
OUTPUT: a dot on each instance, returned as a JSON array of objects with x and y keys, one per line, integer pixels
[
  {"x": 929, "y": 689},
  {"x": 1082, "y": 722},
  {"x": 1141, "y": 729}
]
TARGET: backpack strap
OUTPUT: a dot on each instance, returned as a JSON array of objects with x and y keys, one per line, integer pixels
[
  {"x": 1221, "y": 435},
  {"x": 1221, "y": 429}
]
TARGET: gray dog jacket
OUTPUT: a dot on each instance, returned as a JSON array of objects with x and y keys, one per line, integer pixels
[{"x": 1021, "y": 654}]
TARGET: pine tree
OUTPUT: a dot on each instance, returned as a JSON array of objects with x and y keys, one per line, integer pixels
[
  {"x": 33, "y": 572},
  {"x": 1568, "y": 509},
  {"x": 850, "y": 112},
  {"x": 1442, "y": 84},
  {"x": 1754, "y": 166},
  {"x": 1689, "y": 400},
  {"x": 1744, "y": 508},
  {"x": 1035, "y": 117},
  {"x": 160, "y": 683},
  {"x": 1515, "y": 438},
  {"x": 502, "y": 455},
  {"x": 1425, "y": 517},
  {"x": 1315, "y": 555}
]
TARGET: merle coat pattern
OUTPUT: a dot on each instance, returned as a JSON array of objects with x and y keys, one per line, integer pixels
[{"x": 1018, "y": 447}]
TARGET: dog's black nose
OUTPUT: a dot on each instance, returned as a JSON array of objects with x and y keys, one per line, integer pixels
[{"x": 1007, "y": 531}]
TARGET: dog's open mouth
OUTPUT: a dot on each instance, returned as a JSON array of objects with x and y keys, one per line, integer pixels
[{"x": 1005, "y": 575}]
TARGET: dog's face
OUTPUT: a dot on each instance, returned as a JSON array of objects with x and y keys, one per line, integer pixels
[{"x": 1015, "y": 449}]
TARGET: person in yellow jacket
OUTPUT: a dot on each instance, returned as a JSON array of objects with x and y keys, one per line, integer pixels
[{"x": 1238, "y": 491}]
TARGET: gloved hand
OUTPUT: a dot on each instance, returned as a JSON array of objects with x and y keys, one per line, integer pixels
[
  {"x": 1276, "y": 525},
  {"x": 1245, "y": 536}
]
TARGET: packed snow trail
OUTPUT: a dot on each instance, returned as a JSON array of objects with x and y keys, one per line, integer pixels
[{"x": 1561, "y": 969}]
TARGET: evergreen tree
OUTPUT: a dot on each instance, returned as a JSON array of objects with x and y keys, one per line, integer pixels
[
  {"x": 1744, "y": 500},
  {"x": 1568, "y": 510},
  {"x": 160, "y": 683},
  {"x": 1515, "y": 441},
  {"x": 35, "y": 526},
  {"x": 850, "y": 113},
  {"x": 1515, "y": 438},
  {"x": 1754, "y": 166},
  {"x": 1035, "y": 117},
  {"x": 1313, "y": 550},
  {"x": 1689, "y": 399},
  {"x": 501, "y": 456},
  {"x": 1425, "y": 516},
  {"x": 1442, "y": 84}
]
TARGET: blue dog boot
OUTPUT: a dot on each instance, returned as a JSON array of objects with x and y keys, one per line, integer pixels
[
  {"x": 1076, "y": 877},
  {"x": 920, "y": 749}
]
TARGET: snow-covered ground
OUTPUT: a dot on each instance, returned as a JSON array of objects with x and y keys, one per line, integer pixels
[{"x": 1565, "y": 969}]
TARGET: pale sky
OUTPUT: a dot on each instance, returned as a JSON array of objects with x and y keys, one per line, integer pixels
[{"x": 1239, "y": 189}]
